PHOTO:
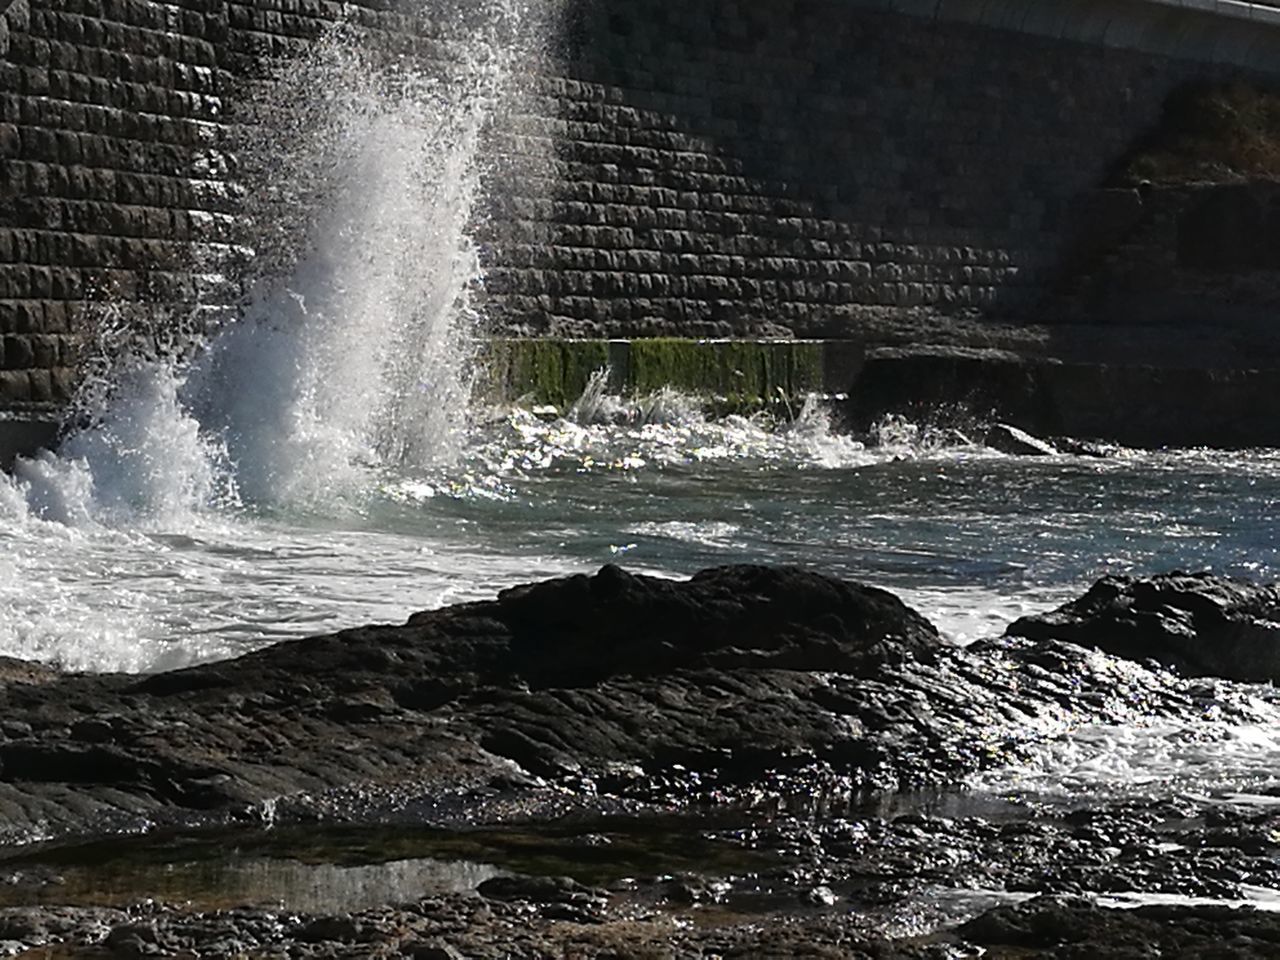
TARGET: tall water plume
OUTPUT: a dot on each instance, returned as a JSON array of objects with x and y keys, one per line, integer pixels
[
  {"x": 364, "y": 162},
  {"x": 360, "y": 167}
]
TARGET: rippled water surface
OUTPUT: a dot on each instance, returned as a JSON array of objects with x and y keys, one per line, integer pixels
[{"x": 971, "y": 537}]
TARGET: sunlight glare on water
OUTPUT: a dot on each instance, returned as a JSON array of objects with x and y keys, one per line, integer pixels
[{"x": 972, "y": 538}]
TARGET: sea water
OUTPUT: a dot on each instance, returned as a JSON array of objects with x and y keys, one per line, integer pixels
[
  {"x": 316, "y": 462},
  {"x": 96, "y": 574}
]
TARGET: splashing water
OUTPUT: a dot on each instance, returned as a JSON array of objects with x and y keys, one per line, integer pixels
[
  {"x": 352, "y": 354},
  {"x": 349, "y": 360},
  {"x": 598, "y": 406},
  {"x": 359, "y": 357}
]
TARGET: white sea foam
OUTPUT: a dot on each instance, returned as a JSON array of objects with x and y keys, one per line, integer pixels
[
  {"x": 966, "y": 614},
  {"x": 717, "y": 534},
  {"x": 350, "y": 360},
  {"x": 667, "y": 428},
  {"x": 1201, "y": 757},
  {"x": 356, "y": 357},
  {"x": 1255, "y": 898}
]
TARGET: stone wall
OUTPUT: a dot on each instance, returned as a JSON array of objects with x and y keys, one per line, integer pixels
[
  {"x": 108, "y": 186},
  {"x": 1197, "y": 263},
  {"x": 707, "y": 168},
  {"x": 728, "y": 167}
]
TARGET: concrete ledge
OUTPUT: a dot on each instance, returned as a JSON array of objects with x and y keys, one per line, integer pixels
[
  {"x": 24, "y": 435},
  {"x": 1135, "y": 404},
  {"x": 1139, "y": 404}
]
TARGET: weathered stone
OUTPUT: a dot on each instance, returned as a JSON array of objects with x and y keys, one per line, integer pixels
[
  {"x": 538, "y": 890},
  {"x": 1069, "y": 928},
  {"x": 740, "y": 680},
  {"x": 1199, "y": 623},
  {"x": 1009, "y": 439}
]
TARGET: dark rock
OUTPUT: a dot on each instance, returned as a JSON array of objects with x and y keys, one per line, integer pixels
[
  {"x": 566, "y": 678},
  {"x": 1056, "y": 928},
  {"x": 820, "y": 896},
  {"x": 572, "y": 912},
  {"x": 581, "y": 630},
  {"x": 1085, "y": 448},
  {"x": 140, "y": 939},
  {"x": 436, "y": 950},
  {"x": 742, "y": 684},
  {"x": 94, "y": 730},
  {"x": 23, "y": 925},
  {"x": 538, "y": 890},
  {"x": 1009, "y": 439},
  {"x": 1047, "y": 922},
  {"x": 343, "y": 929},
  {"x": 1202, "y": 623},
  {"x": 24, "y": 671},
  {"x": 691, "y": 889}
]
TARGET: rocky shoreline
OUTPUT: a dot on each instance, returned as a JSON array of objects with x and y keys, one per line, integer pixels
[{"x": 805, "y": 741}]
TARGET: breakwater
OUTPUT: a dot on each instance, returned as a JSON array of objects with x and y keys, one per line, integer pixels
[
  {"x": 943, "y": 386},
  {"x": 905, "y": 175}
]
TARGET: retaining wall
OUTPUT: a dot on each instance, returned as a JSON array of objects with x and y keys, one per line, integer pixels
[
  {"x": 707, "y": 168},
  {"x": 727, "y": 168},
  {"x": 109, "y": 190}
]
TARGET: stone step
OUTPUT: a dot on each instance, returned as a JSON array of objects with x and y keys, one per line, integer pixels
[{"x": 733, "y": 375}]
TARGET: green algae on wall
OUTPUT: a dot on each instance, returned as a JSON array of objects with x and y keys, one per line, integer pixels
[
  {"x": 731, "y": 375},
  {"x": 541, "y": 371},
  {"x": 736, "y": 374}
]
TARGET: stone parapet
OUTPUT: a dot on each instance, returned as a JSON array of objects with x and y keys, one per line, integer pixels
[{"x": 1235, "y": 32}]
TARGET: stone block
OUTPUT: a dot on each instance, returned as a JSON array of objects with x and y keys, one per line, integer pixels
[
  {"x": 15, "y": 386},
  {"x": 18, "y": 352},
  {"x": 40, "y": 386}
]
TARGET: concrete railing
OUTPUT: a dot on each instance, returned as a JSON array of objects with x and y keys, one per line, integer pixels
[
  {"x": 1263, "y": 11},
  {"x": 1242, "y": 33},
  {"x": 1266, "y": 11}
]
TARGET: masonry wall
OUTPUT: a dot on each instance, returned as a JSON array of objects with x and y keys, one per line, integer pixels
[
  {"x": 107, "y": 112},
  {"x": 1197, "y": 262},
  {"x": 712, "y": 167},
  {"x": 729, "y": 167}
]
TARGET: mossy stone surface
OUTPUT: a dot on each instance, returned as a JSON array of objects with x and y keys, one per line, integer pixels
[
  {"x": 544, "y": 371},
  {"x": 732, "y": 375},
  {"x": 740, "y": 375}
]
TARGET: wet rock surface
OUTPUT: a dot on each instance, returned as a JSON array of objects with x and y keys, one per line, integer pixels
[
  {"x": 612, "y": 689},
  {"x": 1133, "y": 850},
  {"x": 818, "y": 740},
  {"x": 572, "y": 678},
  {"x": 1076, "y": 929},
  {"x": 1009, "y": 439},
  {"x": 1199, "y": 623},
  {"x": 446, "y": 928}
]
